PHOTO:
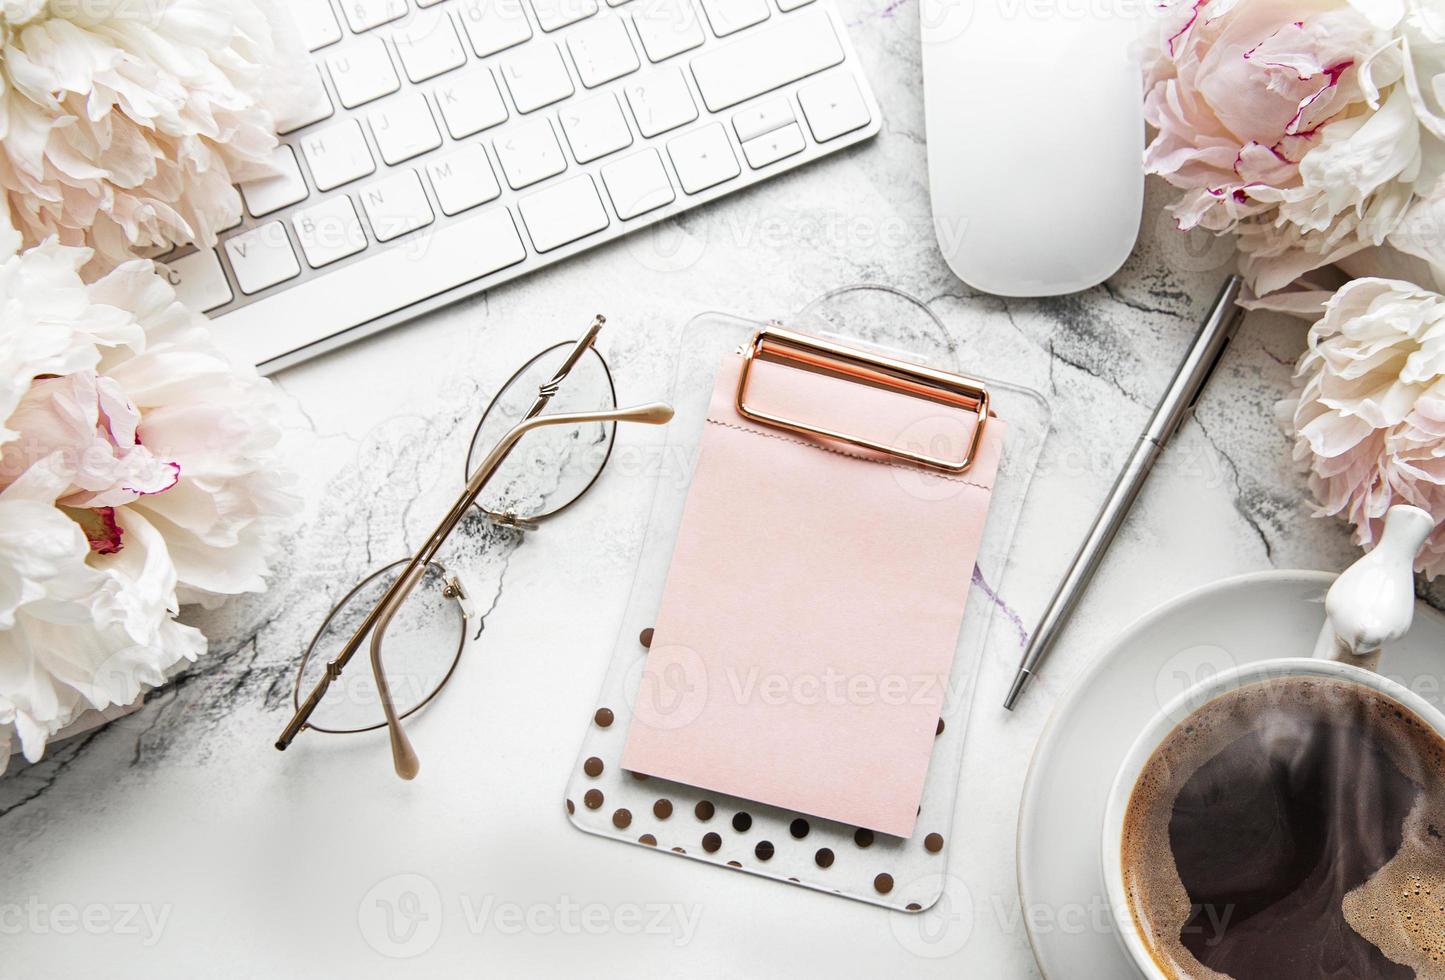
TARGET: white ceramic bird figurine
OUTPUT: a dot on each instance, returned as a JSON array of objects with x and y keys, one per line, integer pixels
[{"x": 1373, "y": 601}]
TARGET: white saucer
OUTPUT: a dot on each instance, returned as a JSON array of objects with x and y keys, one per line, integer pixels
[{"x": 1235, "y": 621}]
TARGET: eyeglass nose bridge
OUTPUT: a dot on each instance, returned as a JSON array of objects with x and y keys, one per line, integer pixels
[
  {"x": 512, "y": 520},
  {"x": 455, "y": 590}
]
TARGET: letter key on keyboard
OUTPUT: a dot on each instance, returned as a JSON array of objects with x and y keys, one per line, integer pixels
[{"x": 470, "y": 103}]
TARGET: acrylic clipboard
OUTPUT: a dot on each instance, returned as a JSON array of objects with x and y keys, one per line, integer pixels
[{"x": 603, "y": 799}]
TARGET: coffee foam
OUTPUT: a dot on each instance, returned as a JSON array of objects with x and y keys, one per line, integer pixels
[{"x": 1400, "y": 909}]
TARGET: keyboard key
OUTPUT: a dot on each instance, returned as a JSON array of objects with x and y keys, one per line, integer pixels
[
  {"x": 555, "y": 14},
  {"x": 703, "y": 158},
  {"x": 730, "y": 16},
  {"x": 396, "y": 205},
  {"x": 833, "y": 106},
  {"x": 463, "y": 179},
  {"x": 282, "y": 190},
  {"x": 329, "y": 231},
  {"x": 595, "y": 127},
  {"x": 661, "y": 101},
  {"x": 316, "y": 22},
  {"x": 337, "y": 155},
  {"x": 602, "y": 51},
  {"x": 316, "y": 107},
  {"x": 262, "y": 257},
  {"x": 761, "y": 118},
  {"x": 470, "y": 103},
  {"x": 529, "y": 153},
  {"x": 387, "y": 280},
  {"x": 363, "y": 15},
  {"x": 766, "y": 58},
  {"x": 536, "y": 76},
  {"x": 667, "y": 28},
  {"x": 428, "y": 46},
  {"x": 199, "y": 280},
  {"x": 774, "y": 146},
  {"x": 494, "y": 25},
  {"x": 403, "y": 128},
  {"x": 361, "y": 72},
  {"x": 563, "y": 213},
  {"x": 637, "y": 184},
  {"x": 787, "y": 5}
]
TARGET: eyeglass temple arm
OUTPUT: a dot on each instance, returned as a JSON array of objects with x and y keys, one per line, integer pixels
[{"x": 338, "y": 663}]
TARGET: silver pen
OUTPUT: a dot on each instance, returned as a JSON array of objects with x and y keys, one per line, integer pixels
[{"x": 1177, "y": 404}]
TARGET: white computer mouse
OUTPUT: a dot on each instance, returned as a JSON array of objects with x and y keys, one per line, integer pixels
[{"x": 1035, "y": 125}]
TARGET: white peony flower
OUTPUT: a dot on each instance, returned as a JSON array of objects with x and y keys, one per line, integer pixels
[
  {"x": 138, "y": 470},
  {"x": 1311, "y": 128},
  {"x": 1368, "y": 411},
  {"x": 125, "y": 123}
]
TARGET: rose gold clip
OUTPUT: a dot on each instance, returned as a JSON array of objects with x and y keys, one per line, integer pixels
[{"x": 787, "y": 347}]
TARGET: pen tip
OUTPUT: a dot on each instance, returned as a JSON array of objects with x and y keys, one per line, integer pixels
[{"x": 1021, "y": 680}]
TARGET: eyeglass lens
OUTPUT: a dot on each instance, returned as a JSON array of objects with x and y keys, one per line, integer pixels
[
  {"x": 423, "y": 643},
  {"x": 552, "y": 466}
]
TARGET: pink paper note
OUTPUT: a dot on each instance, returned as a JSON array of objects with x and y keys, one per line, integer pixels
[{"x": 807, "y": 628}]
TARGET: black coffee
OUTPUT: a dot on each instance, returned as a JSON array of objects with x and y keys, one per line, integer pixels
[{"x": 1292, "y": 830}]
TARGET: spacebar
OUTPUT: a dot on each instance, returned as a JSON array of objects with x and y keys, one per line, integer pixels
[
  {"x": 389, "y": 280},
  {"x": 767, "y": 58}
]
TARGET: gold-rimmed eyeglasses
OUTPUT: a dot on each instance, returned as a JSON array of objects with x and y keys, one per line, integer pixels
[{"x": 415, "y": 604}]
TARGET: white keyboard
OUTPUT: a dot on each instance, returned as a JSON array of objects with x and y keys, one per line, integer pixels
[{"x": 456, "y": 144}]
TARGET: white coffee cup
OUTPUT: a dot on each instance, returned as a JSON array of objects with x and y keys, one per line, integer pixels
[{"x": 1370, "y": 604}]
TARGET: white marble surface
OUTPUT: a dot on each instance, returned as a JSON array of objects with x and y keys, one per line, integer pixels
[{"x": 178, "y": 842}]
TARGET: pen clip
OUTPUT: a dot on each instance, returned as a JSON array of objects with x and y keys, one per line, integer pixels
[
  {"x": 1236, "y": 319},
  {"x": 1226, "y": 306}
]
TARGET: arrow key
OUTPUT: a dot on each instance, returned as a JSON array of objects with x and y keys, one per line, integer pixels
[
  {"x": 833, "y": 106},
  {"x": 774, "y": 146},
  {"x": 703, "y": 158}
]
